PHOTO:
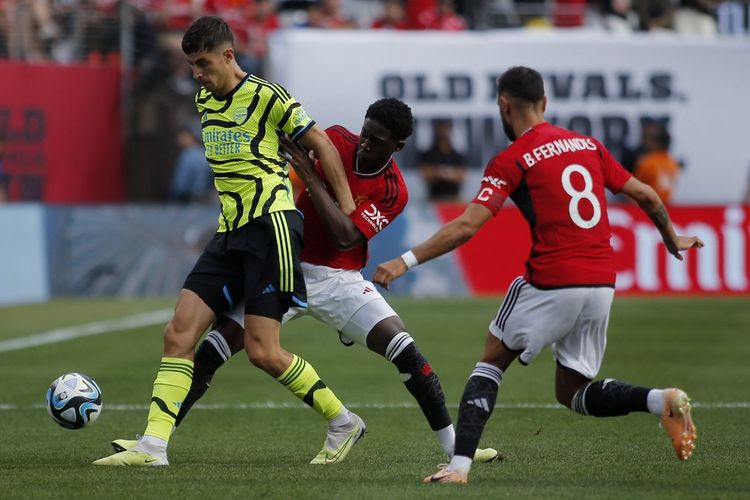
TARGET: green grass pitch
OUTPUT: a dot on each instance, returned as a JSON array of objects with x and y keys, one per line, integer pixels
[{"x": 251, "y": 439}]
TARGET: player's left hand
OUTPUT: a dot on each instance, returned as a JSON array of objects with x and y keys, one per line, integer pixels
[
  {"x": 389, "y": 271},
  {"x": 296, "y": 156},
  {"x": 684, "y": 243}
]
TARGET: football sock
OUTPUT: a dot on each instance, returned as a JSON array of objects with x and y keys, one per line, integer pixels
[
  {"x": 447, "y": 438},
  {"x": 422, "y": 383},
  {"x": 212, "y": 353},
  {"x": 153, "y": 446},
  {"x": 609, "y": 398},
  {"x": 303, "y": 381},
  {"x": 475, "y": 409},
  {"x": 655, "y": 401},
  {"x": 170, "y": 388},
  {"x": 460, "y": 464}
]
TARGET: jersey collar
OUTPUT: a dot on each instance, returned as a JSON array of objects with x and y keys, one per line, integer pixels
[
  {"x": 231, "y": 92},
  {"x": 372, "y": 174}
]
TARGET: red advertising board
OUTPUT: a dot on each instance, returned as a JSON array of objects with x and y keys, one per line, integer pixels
[
  {"x": 496, "y": 255},
  {"x": 61, "y": 133}
]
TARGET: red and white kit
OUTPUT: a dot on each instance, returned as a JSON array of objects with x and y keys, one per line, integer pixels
[
  {"x": 337, "y": 293},
  {"x": 557, "y": 178}
]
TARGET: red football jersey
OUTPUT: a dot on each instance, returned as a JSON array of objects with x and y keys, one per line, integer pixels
[
  {"x": 380, "y": 197},
  {"x": 557, "y": 177}
]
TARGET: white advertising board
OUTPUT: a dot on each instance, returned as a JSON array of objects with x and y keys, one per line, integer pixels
[{"x": 596, "y": 84}]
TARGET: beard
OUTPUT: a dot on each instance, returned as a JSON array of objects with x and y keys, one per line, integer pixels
[{"x": 508, "y": 129}]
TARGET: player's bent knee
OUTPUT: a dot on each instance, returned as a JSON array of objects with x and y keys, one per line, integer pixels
[
  {"x": 178, "y": 342},
  {"x": 271, "y": 361}
]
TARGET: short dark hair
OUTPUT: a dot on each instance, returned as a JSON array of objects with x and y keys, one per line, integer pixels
[
  {"x": 522, "y": 83},
  {"x": 205, "y": 34},
  {"x": 661, "y": 136},
  {"x": 394, "y": 115}
]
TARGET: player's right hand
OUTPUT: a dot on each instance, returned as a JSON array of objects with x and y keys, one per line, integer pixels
[
  {"x": 389, "y": 271},
  {"x": 296, "y": 156}
]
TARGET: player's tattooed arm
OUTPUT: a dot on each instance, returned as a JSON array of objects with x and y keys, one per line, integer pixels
[
  {"x": 650, "y": 203},
  {"x": 660, "y": 218}
]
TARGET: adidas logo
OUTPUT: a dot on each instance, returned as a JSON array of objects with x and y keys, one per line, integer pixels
[
  {"x": 479, "y": 403},
  {"x": 367, "y": 290}
]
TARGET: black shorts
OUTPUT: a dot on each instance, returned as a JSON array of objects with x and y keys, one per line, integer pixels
[{"x": 258, "y": 261}]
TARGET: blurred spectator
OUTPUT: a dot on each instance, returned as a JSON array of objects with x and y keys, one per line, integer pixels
[
  {"x": 420, "y": 14},
  {"x": 532, "y": 13},
  {"x": 618, "y": 16},
  {"x": 696, "y": 17},
  {"x": 447, "y": 19},
  {"x": 192, "y": 180},
  {"x": 746, "y": 198},
  {"x": 731, "y": 17},
  {"x": 102, "y": 33},
  {"x": 30, "y": 28},
  {"x": 433, "y": 15},
  {"x": 327, "y": 14},
  {"x": 655, "y": 15},
  {"x": 393, "y": 17},
  {"x": 442, "y": 167},
  {"x": 163, "y": 100},
  {"x": 262, "y": 23},
  {"x": 655, "y": 166},
  {"x": 569, "y": 13}
]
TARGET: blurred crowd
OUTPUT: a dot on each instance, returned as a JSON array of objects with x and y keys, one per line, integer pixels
[
  {"x": 143, "y": 36},
  {"x": 92, "y": 30}
]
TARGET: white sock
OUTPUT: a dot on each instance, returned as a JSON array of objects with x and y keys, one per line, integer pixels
[
  {"x": 447, "y": 438},
  {"x": 341, "y": 419},
  {"x": 152, "y": 445},
  {"x": 655, "y": 401},
  {"x": 460, "y": 464}
]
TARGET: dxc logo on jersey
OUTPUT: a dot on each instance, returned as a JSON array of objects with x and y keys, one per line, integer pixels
[
  {"x": 373, "y": 216},
  {"x": 498, "y": 183}
]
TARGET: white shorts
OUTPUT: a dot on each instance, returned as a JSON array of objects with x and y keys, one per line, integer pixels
[
  {"x": 342, "y": 299},
  {"x": 572, "y": 320}
]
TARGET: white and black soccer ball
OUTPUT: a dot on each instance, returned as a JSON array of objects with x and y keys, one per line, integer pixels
[{"x": 74, "y": 400}]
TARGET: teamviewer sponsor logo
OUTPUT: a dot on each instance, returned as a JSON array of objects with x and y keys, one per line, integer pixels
[{"x": 373, "y": 217}]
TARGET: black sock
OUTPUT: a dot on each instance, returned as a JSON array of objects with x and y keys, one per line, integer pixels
[
  {"x": 421, "y": 382},
  {"x": 610, "y": 398},
  {"x": 477, "y": 404},
  {"x": 212, "y": 353}
]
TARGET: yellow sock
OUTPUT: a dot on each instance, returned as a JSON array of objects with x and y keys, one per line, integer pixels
[
  {"x": 170, "y": 388},
  {"x": 303, "y": 381}
]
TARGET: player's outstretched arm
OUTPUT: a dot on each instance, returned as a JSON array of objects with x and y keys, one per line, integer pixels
[
  {"x": 650, "y": 203},
  {"x": 450, "y": 236},
  {"x": 317, "y": 140},
  {"x": 341, "y": 228}
]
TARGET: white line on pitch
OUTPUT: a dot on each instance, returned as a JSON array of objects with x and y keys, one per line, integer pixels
[
  {"x": 96, "y": 328},
  {"x": 271, "y": 405}
]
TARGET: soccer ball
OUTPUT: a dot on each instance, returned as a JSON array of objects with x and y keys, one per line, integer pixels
[{"x": 74, "y": 400}]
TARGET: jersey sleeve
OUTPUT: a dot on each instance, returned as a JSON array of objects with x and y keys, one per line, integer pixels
[
  {"x": 289, "y": 115},
  {"x": 615, "y": 175},
  {"x": 501, "y": 178},
  {"x": 372, "y": 216},
  {"x": 334, "y": 133}
]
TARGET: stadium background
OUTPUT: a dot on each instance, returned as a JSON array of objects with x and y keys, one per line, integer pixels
[
  {"x": 90, "y": 113},
  {"x": 92, "y": 250}
]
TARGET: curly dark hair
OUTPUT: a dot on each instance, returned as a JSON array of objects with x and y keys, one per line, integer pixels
[
  {"x": 394, "y": 115},
  {"x": 205, "y": 34},
  {"x": 522, "y": 83}
]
